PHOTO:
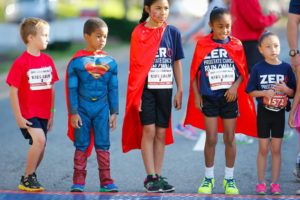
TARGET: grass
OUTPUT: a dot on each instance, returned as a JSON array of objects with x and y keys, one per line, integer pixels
[{"x": 57, "y": 55}]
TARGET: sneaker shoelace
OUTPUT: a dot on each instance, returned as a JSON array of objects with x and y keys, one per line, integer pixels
[
  {"x": 231, "y": 183},
  {"x": 275, "y": 187},
  {"x": 206, "y": 182}
]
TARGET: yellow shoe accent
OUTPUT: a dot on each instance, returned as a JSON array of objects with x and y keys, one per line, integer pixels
[
  {"x": 27, "y": 189},
  {"x": 206, "y": 186},
  {"x": 230, "y": 186}
]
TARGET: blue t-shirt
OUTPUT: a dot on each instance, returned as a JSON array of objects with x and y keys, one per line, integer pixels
[
  {"x": 294, "y": 7},
  {"x": 264, "y": 76},
  {"x": 218, "y": 72},
  {"x": 160, "y": 75}
]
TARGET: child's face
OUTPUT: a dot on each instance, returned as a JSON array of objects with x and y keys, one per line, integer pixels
[
  {"x": 270, "y": 48},
  {"x": 97, "y": 40},
  {"x": 41, "y": 39},
  {"x": 221, "y": 27},
  {"x": 158, "y": 11}
]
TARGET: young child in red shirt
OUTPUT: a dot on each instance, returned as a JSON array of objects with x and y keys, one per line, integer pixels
[{"x": 31, "y": 80}]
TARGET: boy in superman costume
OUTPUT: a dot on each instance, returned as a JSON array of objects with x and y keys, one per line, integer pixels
[{"x": 92, "y": 99}]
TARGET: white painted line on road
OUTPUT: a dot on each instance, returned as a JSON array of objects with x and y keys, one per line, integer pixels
[{"x": 201, "y": 142}]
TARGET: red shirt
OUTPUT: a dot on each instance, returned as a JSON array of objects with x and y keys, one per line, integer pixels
[
  {"x": 249, "y": 21},
  {"x": 34, "y": 77}
]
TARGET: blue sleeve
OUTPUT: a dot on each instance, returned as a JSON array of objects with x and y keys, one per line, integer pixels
[
  {"x": 73, "y": 89},
  {"x": 253, "y": 81},
  {"x": 113, "y": 91},
  {"x": 179, "y": 50}
]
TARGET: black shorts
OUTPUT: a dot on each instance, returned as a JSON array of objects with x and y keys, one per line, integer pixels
[
  {"x": 156, "y": 107},
  {"x": 36, "y": 123},
  {"x": 270, "y": 123},
  {"x": 219, "y": 107}
]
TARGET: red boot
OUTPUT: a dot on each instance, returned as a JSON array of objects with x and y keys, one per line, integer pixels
[
  {"x": 80, "y": 159},
  {"x": 104, "y": 167}
]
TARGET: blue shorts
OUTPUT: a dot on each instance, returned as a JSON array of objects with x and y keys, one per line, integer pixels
[
  {"x": 294, "y": 7},
  {"x": 36, "y": 123}
]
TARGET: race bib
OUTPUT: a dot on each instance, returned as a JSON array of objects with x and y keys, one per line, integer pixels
[
  {"x": 221, "y": 78},
  {"x": 40, "y": 79},
  {"x": 276, "y": 103},
  {"x": 160, "y": 78}
]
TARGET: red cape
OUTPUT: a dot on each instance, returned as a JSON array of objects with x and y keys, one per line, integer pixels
[
  {"x": 143, "y": 48},
  {"x": 246, "y": 122},
  {"x": 80, "y": 53}
]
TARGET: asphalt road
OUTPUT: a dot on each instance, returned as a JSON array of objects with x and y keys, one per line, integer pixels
[{"x": 183, "y": 166}]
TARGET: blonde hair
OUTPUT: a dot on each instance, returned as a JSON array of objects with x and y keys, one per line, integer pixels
[{"x": 29, "y": 26}]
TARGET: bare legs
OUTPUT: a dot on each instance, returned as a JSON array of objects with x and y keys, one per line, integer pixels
[{"x": 153, "y": 148}]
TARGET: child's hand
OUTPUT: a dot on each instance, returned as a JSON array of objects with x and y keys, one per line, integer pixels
[
  {"x": 76, "y": 121},
  {"x": 281, "y": 87},
  {"x": 291, "y": 120},
  {"x": 231, "y": 94},
  {"x": 269, "y": 94},
  {"x": 113, "y": 122},
  {"x": 50, "y": 123},
  {"x": 198, "y": 101},
  {"x": 23, "y": 123},
  {"x": 178, "y": 100}
]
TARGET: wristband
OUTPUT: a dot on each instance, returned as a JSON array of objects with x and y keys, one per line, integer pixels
[{"x": 52, "y": 110}]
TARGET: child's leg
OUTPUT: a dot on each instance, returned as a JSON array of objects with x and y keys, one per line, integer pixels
[
  {"x": 147, "y": 148},
  {"x": 229, "y": 141},
  {"x": 35, "y": 152},
  {"x": 159, "y": 149},
  {"x": 276, "y": 158},
  {"x": 263, "y": 149},
  {"x": 211, "y": 125}
]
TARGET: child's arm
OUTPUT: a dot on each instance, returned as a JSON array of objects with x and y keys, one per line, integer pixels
[
  {"x": 282, "y": 87},
  {"x": 197, "y": 96},
  {"x": 72, "y": 85},
  {"x": 231, "y": 93},
  {"x": 262, "y": 93},
  {"x": 113, "y": 96},
  {"x": 178, "y": 80},
  {"x": 50, "y": 121},
  {"x": 21, "y": 121}
]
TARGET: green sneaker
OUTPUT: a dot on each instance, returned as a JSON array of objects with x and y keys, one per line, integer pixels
[
  {"x": 230, "y": 186},
  {"x": 206, "y": 186}
]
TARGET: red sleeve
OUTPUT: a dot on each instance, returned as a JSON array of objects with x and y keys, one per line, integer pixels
[
  {"x": 14, "y": 77},
  {"x": 253, "y": 15},
  {"x": 55, "y": 76}
]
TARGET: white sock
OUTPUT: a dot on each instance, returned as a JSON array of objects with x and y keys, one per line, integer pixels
[
  {"x": 229, "y": 172},
  {"x": 209, "y": 172}
]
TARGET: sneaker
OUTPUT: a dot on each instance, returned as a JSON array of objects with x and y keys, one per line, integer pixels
[
  {"x": 77, "y": 188},
  {"x": 166, "y": 187},
  {"x": 296, "y": 171},
  {"x": 275, "y": 189},
  {"x": 152, "y": 184},
  {"x": 261, "y": 188},
  {"x": 230, "y": 186},
  {"x": 30, "y": 184},
  {"x": 187, "y": 131},
  {"x": 206, "y": 186},
  {"x": 109, "y": 188}
]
